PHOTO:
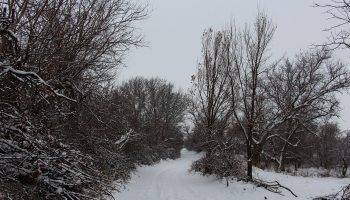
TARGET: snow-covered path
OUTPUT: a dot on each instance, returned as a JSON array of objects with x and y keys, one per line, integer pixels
[{"x": 170, "y": 180}]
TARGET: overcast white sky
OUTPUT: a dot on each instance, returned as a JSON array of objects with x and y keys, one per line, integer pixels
[{"x": 174, "y": 28}]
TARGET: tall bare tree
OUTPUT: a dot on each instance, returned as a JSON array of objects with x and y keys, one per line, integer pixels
[
  {"x": 210, "y": 104},
  {"x": 249, "y": 59}
]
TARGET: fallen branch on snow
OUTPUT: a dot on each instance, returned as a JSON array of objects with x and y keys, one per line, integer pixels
[
  {"x": 343, "y": 194},
  {"x": 272, "y": 186}
]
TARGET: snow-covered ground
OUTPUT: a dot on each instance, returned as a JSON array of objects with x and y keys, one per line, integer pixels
[{"x": 170, "y": 180}]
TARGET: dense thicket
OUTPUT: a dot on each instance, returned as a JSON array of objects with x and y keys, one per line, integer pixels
[{"x": 65, "y": 133}]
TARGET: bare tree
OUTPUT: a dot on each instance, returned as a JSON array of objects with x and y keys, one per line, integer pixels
[
  {"x": 249, "y": 59},
  {"x": 212, "y": 111},
  {"x": 338, "y": 12},
  {"x": 210, "y": 97},
  {"x": 303, "y": 93}
]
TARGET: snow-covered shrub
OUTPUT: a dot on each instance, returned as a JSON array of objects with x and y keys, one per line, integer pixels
[
  {"x": 223, "y": 152},
  {"x": 139, "y": 152},
  {"x": 40, "y": 166},
  {"x": 220, "y": 164},
  {"x": 221, "y": 157}
]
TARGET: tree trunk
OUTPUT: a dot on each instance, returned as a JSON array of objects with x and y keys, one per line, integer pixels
[
  {"x": 256, "y": 156},
  {"x": 344, "y": 168},
  {"x": 296, "y": 166},
  {"x": 249, "y": 160},
  {"x": 281, "y": 166}
]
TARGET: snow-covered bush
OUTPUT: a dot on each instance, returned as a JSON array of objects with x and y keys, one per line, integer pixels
[
  {"x": 220, "y": 164},
  {"x": 35, "y": 162},
  {"x": 221, "y": 158}
]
